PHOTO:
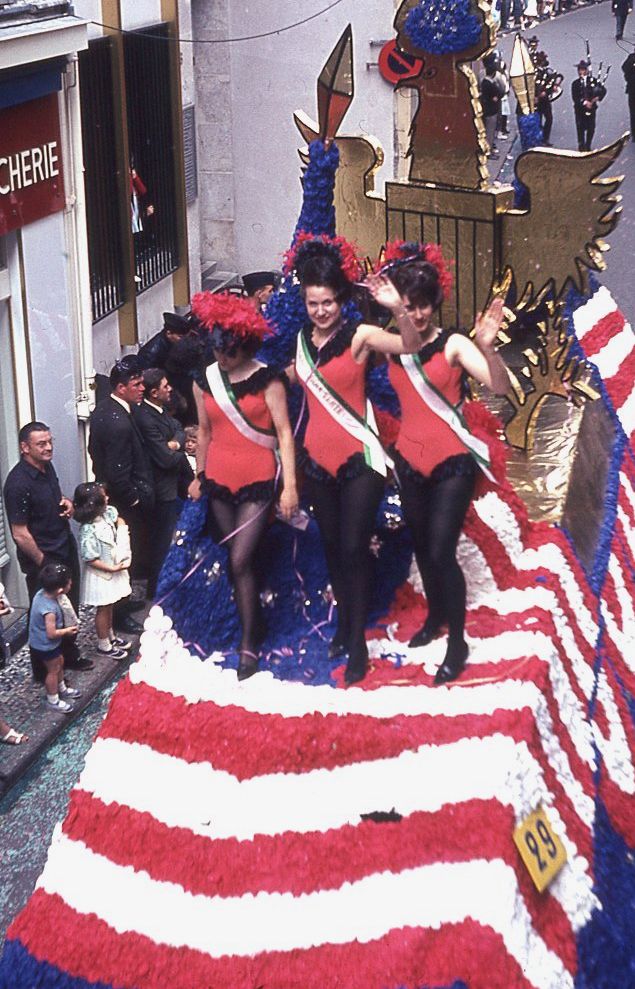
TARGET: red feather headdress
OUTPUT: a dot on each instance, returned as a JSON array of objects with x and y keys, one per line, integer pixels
[
  {"x": 398, "y": 252},
  {"x": 343, "y": 252},
  {"x": 230, "y": 313}
]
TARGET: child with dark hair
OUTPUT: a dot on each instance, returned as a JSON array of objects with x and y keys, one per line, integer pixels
[
  {"x": 104, "y": 546},
  {"x": 46, "y": 631}
]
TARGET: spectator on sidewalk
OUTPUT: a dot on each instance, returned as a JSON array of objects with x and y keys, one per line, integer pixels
[
  {"x": 628, "y": 68},
  {"x": 491, "y": 93},
  {"x": 47, "y": 632},
  {"x": 164, "y": 440},
  {"x": 38, "y": 517},
  {"x": 121, "y": 462},
  {"x": 621, "y": 10},
  {"x": 177, "y": 348},
  {"x": 10, "y": 736},
  {"x": 260, "y": 286},
  {"x": 104, "y": 545}
]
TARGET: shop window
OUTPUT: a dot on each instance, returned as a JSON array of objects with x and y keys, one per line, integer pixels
[
  {"x": 152, "y": 153},
  {"x": 103, "y": 214}
]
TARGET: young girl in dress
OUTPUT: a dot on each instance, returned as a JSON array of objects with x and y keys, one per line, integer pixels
[{"x": 104, "y": 546}]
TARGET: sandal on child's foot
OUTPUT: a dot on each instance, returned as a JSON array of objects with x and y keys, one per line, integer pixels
[
  {"x": 247, "y": 664},
  {"x": 14, "y": 737},
  {"x": 453, "y": 664}
]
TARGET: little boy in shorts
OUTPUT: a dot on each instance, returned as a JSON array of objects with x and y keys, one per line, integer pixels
[{"x": 46, "y": 630}]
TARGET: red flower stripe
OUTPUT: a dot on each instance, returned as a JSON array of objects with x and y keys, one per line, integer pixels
[
  {"x": 225, "y": 735},
  {"x": 602, "y": 333},
  {"x": 620, "y": 385},
  {"x": 87, "y": 948},
  {"x": 619, "y": 806},
  {"x": 297, "y": 745},
  {"x": 305, "y": 863}
]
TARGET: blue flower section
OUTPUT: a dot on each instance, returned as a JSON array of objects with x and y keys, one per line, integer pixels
[
  {"x": 531, "y": 136},
  {"x": 317, "y": 215},
  {"x": 195, "y": 591},
  {"x": 438, "y": 27},
  {"x": 20, "y": 970},
  {"x": 605, "y": 945},
  {"x": 381, "y": 392}
]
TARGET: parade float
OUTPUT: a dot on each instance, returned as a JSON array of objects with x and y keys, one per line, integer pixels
[{"x": 285, "y": 832}]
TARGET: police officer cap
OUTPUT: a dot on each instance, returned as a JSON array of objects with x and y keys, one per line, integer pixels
[
  {"x": 259, "y": 279},
  {"x": 176, "y": 323}
]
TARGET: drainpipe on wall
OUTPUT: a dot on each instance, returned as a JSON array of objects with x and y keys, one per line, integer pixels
[{"x": 77, "y": 239}]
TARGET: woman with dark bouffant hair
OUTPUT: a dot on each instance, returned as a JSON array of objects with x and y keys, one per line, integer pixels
[
  {"x": 437, "y": 459},
  {"x": 243, "y": 420},
  {"x": 345, "y": 466}
]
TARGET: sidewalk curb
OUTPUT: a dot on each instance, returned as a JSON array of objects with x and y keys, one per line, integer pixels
[{"x": 48, "y": 725}]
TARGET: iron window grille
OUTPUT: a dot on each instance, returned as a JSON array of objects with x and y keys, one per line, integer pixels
[
  {"x": 101, "y": 178},
  {"x": 151, "y": 146}
]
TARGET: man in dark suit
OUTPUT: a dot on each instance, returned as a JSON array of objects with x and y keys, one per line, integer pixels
[
  {"x": 586, "y": 93},
  {"x": 177, "y": 348},
  {"x": 121, "y": 461},
  {"x": 628, "y": 68},
  {"x": 164, "y": 440}
]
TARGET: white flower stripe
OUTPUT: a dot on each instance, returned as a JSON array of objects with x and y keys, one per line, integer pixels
[
  {"x": 429, "y": 896},
  {"x": 589, "y": 315}
]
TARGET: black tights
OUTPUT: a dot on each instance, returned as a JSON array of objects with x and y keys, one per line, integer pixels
[
  {"x": 435, "y": 512},
  {"x": 345, "y": 514},
  {"x": 242, "y": 548}
]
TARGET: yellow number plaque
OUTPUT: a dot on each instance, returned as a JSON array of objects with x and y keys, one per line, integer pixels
[{"x": 540, "y": 849}]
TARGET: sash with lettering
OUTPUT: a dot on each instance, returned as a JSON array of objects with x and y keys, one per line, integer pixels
[
  {"x": 450, "y": 414},
  {"x": 223, "y": 394},
  {"x": 362, "y": 429}
]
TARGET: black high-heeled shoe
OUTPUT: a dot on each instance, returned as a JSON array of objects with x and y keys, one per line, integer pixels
[
  {"x": 428, "y": 631},
  {"x": 357, "y": 667},
  {"x": 247, "y": 664},
  {"x": 453, "y": 664}
]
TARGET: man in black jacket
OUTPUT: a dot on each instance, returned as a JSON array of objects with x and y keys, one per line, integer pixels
[
  {"x": 177, "y": 348},
  {"x": 621, "y": 10},
  {"x": 38, "y": 515},
  {"x": 164, "y": 440},
  {"x": 586, "y": 93},
  {"x": 121, "y": 461},
  {"x": 628, "y": 68}
]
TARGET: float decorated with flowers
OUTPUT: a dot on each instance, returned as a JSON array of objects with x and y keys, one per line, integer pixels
[{"x": 284, "y": 832}]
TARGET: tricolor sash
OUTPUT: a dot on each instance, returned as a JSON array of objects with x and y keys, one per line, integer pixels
[
  {"x": 223, "y": 394},
  {"x": 451, "y": 414},
  {"x": 362, "y": 429}
]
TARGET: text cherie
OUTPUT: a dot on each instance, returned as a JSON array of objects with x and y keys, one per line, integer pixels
[{"x": 28, "y": 167}]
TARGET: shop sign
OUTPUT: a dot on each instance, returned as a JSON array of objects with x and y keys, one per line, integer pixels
[{"x": 31, "y": 178}]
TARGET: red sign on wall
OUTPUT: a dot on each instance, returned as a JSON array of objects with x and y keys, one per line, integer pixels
[
  {"x": 396, "y": 65},
  {"x": 31, "y": 178}
]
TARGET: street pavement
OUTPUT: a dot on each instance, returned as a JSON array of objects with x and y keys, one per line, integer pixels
[{"x": 563, "y": 39}]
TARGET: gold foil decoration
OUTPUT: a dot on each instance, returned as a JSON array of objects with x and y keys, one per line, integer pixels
[
  {"x": 448, "y": 144},
  {"x": 550, "y": 246},
  {"x": 522, "y": 75},
  {"x": 335, "y": 86},
  {"x": 525, "y": 255}
]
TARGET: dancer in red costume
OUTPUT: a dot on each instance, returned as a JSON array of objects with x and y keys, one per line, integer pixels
[
  {"x": 243, "y": 418},
  {"x": 437, "y": 460},
  {"x": 345, "y": 466}
]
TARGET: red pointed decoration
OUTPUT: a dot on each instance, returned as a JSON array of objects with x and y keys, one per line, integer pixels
[{"x": 335, "y": 86}]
